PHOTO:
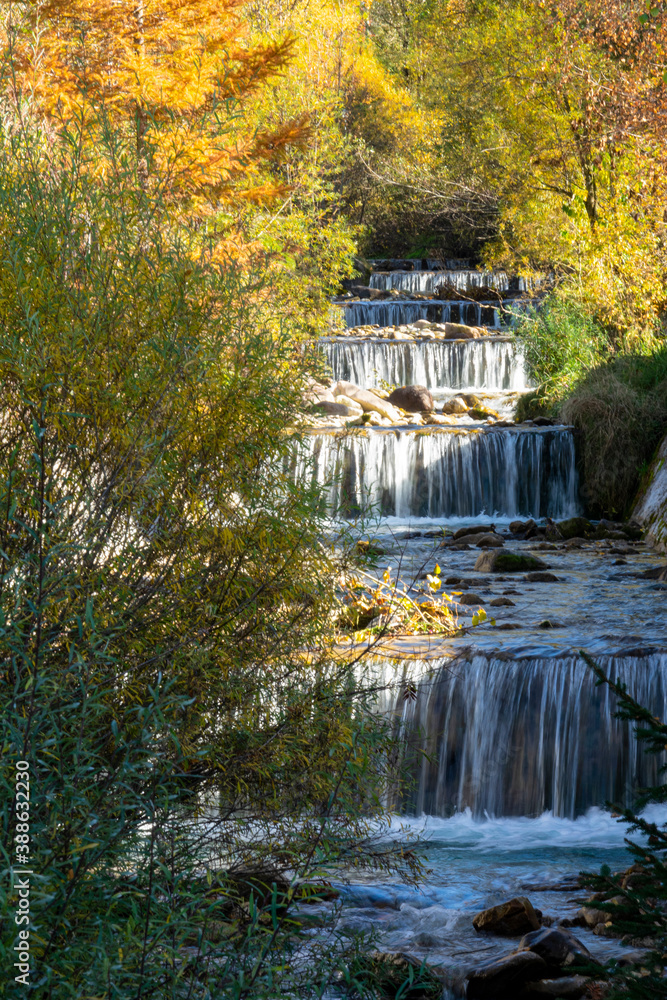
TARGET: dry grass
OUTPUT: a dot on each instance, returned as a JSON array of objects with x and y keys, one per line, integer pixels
[{"x": 620, "y": 410}]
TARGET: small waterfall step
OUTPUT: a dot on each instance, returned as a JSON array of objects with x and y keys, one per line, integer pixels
[
  {"x": 442, "y": 472},
  {"x": 461, "y": 280},
  {"x": 402, "y": 312},
  {"x": 489, "y": 363},
  {"x": 517, "y": 737}
]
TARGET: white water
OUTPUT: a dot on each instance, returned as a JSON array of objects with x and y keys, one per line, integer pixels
[
  {"x": 398, "y": 312},
  {"x": 522, "y": 737},
  {"x": 446, "y": 473},
  {"x": 431, "y": 281},
  {"x": 490, "y": 364}
]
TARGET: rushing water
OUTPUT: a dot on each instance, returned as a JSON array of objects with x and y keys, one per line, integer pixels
[
  {"x": 447, "y": 473},
  {"x": 490, "y": 364},
  {"x": 396, "y": 312},
  {"x": 519, "y": 737},
  {"x": 511, "y": 747},
  {"x": 431, "y": 281}
]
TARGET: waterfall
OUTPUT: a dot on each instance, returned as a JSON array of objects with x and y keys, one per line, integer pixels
[
  {"x": 438, "y": 364},
  {"x": 446, "y": 473},
  {"x": 512, "y": 737},
  {"x": 430, "y": 281},
  {"x": 397, "y": 312}
]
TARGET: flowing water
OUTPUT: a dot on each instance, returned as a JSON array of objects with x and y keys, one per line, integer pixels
[
  {"x": 512, "y": 748},
  {"x": 441, "y": 364}
]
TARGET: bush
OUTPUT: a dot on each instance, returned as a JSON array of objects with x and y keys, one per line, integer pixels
[
  {"x": 561, "y": 342},
  {"x": 165, "y": 608},
  {"x": 620, "y": 410}
]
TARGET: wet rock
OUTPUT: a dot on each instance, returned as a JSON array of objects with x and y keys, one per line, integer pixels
[
  {"x": 544, "y": 422},
  {"x": 541, "y": 578},
  {"x": 514, "y": 917},
  {"x": 559, "y": 948},
  {"x": 471, "y": 399},
  {"x": 507, "y": 626},
  {"x": 567, "y": 988},
  {"x": 507, "y": 562},
  {"x": 520, "y": 527},
  {"x": 422, "y": 324},
  {"x": 575, "y": 527},
  {"x": 503, "y": 979},
  {"x": 501, "y": 602},
  {"x": 575, "y": 543},
  {"x": 491, "y": 541},
  {"x": 413, "y": 398},
  {"x": 476, "y": 529},
  {"x": 483, "y": 412},
  {"x": 470, "y": 599},
  {"x": 455, "y": 405},
  {"x": 548, "y": 623}
]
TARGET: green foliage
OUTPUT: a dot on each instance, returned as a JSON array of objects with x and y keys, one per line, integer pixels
[
  {"x": 196, "y": 748},
  {"x": 561, "y": 342},
  {"x": 641, "y": 911}
]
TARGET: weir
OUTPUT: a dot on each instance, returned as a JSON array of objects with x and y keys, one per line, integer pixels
[
  {"x": 518, "y": 737},
  {"x": 490, "y": 364},
  {"x": 499, "y": 730},
  {"x": 431, "y": 281},
  {"x": 447, "y": 473}
]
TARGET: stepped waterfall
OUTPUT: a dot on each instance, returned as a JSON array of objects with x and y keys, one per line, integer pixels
[
  {"x": 510, "y": 749},
  {"x": 504, "y": 733}
]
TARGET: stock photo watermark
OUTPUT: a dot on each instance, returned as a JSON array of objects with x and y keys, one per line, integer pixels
[{"x": 21, "y": 872}]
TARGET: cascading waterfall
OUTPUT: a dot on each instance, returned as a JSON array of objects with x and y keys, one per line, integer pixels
[
  {"x": 446, "y": 473},
  {"x": 397, "y": 312},
  {"x": 512, "y": 737},
  {"x": 436, "y": 364},
  {"x": 431, "y": 281}
]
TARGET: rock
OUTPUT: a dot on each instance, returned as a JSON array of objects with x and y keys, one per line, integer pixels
[
  {"x": 521, "y": 527},
  {"x": 492, "y": 541},
  {"x": 477, "y": 529},
  {"x": 368, "y": 400},
  {"x": 514, "y": 917},
  {"x": 501, "y": 602},
  {"x": 483, "y": 412},
  {"x": 398, "y": 335},
  {"x": 413, "y": 398},
  {"x": 458, "y": 331},
  {"x": 470, "y": 599},
  {"x": 337, "y": 409},
  {"x": 543, "y": 422},
  {"x": 575, "y": 527},
  {"x": 541, "y": 578},
  {"x": 471, "y": 399},
  {"x": 575, "y": 543},
  {"x": 503, "y": 979},
  {"x": 507, "y": 562},
  {"x": 455, "y": 405},
  {"x": 350, "y": 403},
  {"x": 422, "y": 324},
  {"x": 435, "y": 418},
  {"x": 559, "y": 948},
  {"x": 567, "y": 988}
]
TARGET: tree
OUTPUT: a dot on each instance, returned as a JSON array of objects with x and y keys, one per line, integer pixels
[{"x": 197, "y": 751}]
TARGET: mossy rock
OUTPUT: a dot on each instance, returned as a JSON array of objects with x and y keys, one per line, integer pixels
[
  {"x": 370, "y": 548},
  {"x": 387, "y": 975},
  {"x": 483, "y": 412},
  {"x": 575, "y": 527},
  {"x": 499, "y": 561}
]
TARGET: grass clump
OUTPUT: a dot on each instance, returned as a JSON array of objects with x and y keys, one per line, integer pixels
[{"x": 620, "y": 410}]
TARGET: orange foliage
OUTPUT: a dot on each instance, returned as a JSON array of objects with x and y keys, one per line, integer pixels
[{"x": 169, "y": 72}]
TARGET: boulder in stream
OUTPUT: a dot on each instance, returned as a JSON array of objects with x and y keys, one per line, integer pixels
[
  {"x": 498, "y": 561},
  {"x": 559, "y": 948},
  {"x": 413, "y": 398},
  {"x": 459, "y": 331},
  {"x": 504, "y": 978},
  {"x": 575, "y": 527},
  {"x": 455, "y": 405},
  {"x": 567, "y": 988},
  {"x": 367, "y": 400},
  {"x": 509, "y": 919}
]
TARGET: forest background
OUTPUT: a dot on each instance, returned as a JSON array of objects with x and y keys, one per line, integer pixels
[{"x": 183, "y": 186}]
